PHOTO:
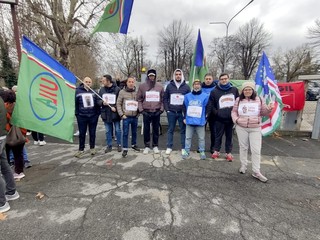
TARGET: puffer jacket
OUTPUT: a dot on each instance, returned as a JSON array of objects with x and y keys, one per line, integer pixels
[
  {"x": 249, "y": 121},
  {"x": 107, "y": 114},
  {"x": 125, "y": 95}
]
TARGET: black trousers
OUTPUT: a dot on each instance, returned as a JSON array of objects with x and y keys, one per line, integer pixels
[
  {"x": 222, "y": 128},
  {"x": 83, "y": 123},
  {"x": 154, "y": 119}
]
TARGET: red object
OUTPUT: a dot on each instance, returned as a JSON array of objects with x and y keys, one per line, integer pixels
[{"x": 293, "y": 96}]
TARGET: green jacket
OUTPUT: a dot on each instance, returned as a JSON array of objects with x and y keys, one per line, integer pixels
[{"x": 3, "y": 118}]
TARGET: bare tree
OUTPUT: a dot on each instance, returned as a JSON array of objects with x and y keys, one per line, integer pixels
[
  {"x": 176, "y": 45},
  {"x": 248, "y": 44},
  {"x": 314, "y": 34},
  {"x": 290, "y": 64},
  {"x": 61, "y": 23}
]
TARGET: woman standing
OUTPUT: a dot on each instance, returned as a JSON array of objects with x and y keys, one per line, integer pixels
[{"x": 246, "y": 114}]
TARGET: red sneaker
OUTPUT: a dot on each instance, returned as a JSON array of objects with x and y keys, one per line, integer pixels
[
  {"x": 215, "y": 155},
  {"x": 229, "y": 157}
]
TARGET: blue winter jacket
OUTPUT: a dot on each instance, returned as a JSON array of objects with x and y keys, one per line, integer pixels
[
  {"x": 197, "y": 99},
  {"x": 80, "y": 109}
]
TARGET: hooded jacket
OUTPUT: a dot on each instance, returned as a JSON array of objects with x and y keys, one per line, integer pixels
[
  {"x": 179, "y": 90},
  {"x": 3, "y": 119},
  {"x": 150, "y": 106},
  {"x": 107, "y": 114},
  {"x": 80, "y": 109},
  {"x": 217, "y": 98}
]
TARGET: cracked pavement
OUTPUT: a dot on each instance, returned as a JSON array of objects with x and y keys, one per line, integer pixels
[{"x": 156, "y": 196}]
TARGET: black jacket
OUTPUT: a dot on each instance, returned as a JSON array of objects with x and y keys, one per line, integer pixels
[
  {"x": 80, "y": 108},
  {"x": 106, "y": 113},
  {"x": 213, "y": 108},
  {"x": 170, "y": 89}
]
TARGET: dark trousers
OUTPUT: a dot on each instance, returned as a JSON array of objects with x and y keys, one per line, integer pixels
[
  {"x": 154, "y": 119},
  {"x": 83, "y": 123},
  {"x": 37, "y": 136},
  {"x": 211, "y": 122},
  {"x": 17, "y": 155},
  {"x": 223, "y": 128}
]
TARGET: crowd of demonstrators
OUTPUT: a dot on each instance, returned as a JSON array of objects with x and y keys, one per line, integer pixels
[
  {"x": 109, "y": 93},
  {"x": 150, "y": 102},
  {"x": 127, "y": 107},
  {"x": 221, "y": 102},
  {"x": 207, "y": 86},
  {"x": 173, "y": 104},
  {"x": 87, "y": 112},
  {"x": 8, "y": 190},
  {"x": 246, "y": 115},
  {"x": 195, "y": 118}
]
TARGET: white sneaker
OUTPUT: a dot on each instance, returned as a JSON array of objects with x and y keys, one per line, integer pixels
[
  {"x": 76, "y": 133},
  {"x": 259, "y": 176},
  {"x": 168, "y": 151},
  {"x": 42, "y": 143},
  {"x": 18, "y": 176},
  {"x": 36, "y": 142},
  {"x": 156, "y": 150},
  {"x": 243, "y": 169},
  {"x": 146, "y": 150},
  {"x": 5, "y": 207},
  {"x": 13, "y": 196}
]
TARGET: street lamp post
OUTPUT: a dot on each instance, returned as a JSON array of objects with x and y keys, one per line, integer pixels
[{"x": 227, "y": 33}]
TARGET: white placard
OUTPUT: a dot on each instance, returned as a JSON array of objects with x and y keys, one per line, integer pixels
[
  {"x": 176, "y": 99},
  {"x": 152, "y": 96},
  {"x": 131, "y": 105},
  {"x": 226, "y": 101},
  {"x": 109, "y": 98},
  {"x": 194, "y": 111},
  {"x": 87, "y": 100},
  {"x": 248, "y": 109}
]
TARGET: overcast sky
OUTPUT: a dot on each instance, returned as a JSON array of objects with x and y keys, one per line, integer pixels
[{"x": 286, "y": 20}]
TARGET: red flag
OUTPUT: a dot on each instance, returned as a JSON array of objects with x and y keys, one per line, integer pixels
[{"x": 293, "y": 96}]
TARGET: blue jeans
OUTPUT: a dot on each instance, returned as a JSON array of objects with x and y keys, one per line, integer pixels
[
  {"x": 109, "y": 131},
  {"x": 173, "y": 117},
  {"x": 133, "y": 121},
  {"x": 200, "y": 130},
  {"x": 7, "y": 183}
]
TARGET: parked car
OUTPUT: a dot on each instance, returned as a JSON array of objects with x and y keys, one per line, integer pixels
[{"x": 313, "y": 92}]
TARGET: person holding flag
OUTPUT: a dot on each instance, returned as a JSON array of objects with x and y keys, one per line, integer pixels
[
  {"x": 246, "y": 115},
  {"x": 87, "y": 113}
]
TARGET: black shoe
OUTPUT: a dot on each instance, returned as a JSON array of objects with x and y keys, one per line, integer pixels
[
  {"x": 27, "y": 165},
  {"x": 124, "y": 153},
  {"x": 135, "y": 147},
  {"x": 108, "y": 149},
  {"x": 119, "y": 148}
]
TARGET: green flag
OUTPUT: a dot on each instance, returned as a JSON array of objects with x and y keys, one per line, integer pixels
[
  {"x": 199, "y": 66},
  {"x": 46, "y": 92},
  {"x": 116, "y": 17}
]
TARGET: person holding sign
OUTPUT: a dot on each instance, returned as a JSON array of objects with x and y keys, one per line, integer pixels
[
  {"x": 150, "y": 101},
  {"x": 246, "y": 115},
  {"x": 221, "y": 102},
  {"x": 109, "y": 93},
  {"x": 127, "y": 108},
  {"x": 173, "y": 104},
  {"x": 87, "y": 112},
  {"x": 195, "y": 118}
]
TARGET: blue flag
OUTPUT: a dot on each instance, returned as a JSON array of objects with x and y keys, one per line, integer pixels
[{"x": 268, "y": 90}]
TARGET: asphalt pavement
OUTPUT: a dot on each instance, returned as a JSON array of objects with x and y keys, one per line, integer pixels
[{"x": 156, "y": 196}]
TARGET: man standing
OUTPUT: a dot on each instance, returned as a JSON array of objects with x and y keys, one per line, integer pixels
[
  {"x": 87, "y": 112},
  {"x": 127, "y": 107},
  {"x": 7, "y": 184},
  {"x": 221, "y": 102},
  {"x": 109, "y": 93},
  {"x": 150, "y": 100},
  {"x": 173, "y": 104},
  {"x": 195, "y": 103},
  {"x": 207, "y": 86}
]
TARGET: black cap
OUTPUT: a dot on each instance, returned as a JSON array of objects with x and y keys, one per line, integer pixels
[{"x": 151, "y": 72}]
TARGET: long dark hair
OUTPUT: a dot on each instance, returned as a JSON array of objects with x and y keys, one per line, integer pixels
[{"x": 253, "y": 96}]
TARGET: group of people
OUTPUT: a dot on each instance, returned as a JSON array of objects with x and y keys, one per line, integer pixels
[{"x": 216, "y": 103}]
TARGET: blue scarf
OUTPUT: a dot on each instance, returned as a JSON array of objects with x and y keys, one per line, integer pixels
[{"x": 225, "y": 87}]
